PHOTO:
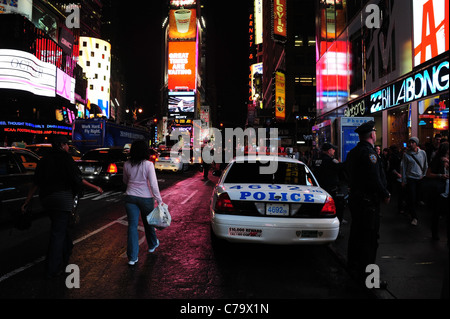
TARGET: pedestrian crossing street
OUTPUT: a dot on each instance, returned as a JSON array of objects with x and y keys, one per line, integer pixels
[{"x": 108, "y": 196}]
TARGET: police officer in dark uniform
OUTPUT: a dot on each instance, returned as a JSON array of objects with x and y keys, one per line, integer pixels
[
  {"x": 327, "y": 170},
  {"x": 368, "y": 187}
]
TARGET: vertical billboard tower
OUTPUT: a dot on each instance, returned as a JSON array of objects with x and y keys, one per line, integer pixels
[
  {"x": 182, "y": 64},
  {"x": 95, "y": 59}
]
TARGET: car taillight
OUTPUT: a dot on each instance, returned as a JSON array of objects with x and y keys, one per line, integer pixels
[
  {"x": 112, "y": 168},
  {"x": 329, "y": 208},
  {"x": 223, "y": 203}
]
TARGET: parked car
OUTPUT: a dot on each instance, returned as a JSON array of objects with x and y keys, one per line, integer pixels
[
  {"x": 17, "y": 168},
  {"x": 284, "y": 207},
  {"x": 42, "y": 149},
  {"x": 104, "y": 166},
  {"x": 172, "y": 161}
]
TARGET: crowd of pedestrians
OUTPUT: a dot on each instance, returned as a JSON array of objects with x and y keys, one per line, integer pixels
[{"x": 415, "y": 175}]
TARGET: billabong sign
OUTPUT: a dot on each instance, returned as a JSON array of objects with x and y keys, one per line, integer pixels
[{"x": 427, "y": 82}]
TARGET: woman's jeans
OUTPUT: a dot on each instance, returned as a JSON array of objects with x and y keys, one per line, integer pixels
[{"x": 135, "y": 205}]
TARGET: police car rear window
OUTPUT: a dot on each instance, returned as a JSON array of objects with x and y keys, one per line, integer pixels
[{"x": 286, "y": 173}]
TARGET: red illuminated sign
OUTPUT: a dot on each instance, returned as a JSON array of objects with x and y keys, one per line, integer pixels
[
  {"x": 431, "y": 29},
  {"x": 182, "y": 66},
  {"x": 280, "y": 18}
]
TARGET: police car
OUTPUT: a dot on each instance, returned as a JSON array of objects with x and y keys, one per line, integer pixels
[{"x": 272, "y": 200}]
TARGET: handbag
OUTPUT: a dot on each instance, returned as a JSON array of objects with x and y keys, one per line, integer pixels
[{"x": 160, "y": 217}]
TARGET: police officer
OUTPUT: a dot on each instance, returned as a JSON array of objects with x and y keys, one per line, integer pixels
[
  {"x": 368, "y": 187},
  {"x": 327, "y": 170}
]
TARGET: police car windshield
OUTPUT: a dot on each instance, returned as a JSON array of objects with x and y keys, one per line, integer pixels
[{"x": 286, "y": 173}]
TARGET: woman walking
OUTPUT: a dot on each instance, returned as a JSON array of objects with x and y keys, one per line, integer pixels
[{"x": 142, "y": 190}]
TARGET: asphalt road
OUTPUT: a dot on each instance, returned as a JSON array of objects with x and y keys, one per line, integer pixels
[{"x": 186, "y": 266}]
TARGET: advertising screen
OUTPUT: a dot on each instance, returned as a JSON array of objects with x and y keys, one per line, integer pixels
[
  {"x": 182, "y": 23},
  {"x": 65, "y": 86},
  {"x": 280, "y": 95},
  {"x": 431, "y": 29},
  {"x": 182, "y": 66},
  {"x": 23, "y": 71},
  {"x": 23, "y": 7},
  {"x": 181, "y": 105}
]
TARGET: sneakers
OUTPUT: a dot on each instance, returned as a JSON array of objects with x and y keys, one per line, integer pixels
[
  {"x": 132, "y": 263},
  {"x": 154, "y": 248},
  {"x": 414, "y": 222}
]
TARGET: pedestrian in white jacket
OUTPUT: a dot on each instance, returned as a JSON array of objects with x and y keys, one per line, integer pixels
[{"x": 414, "y": 168}]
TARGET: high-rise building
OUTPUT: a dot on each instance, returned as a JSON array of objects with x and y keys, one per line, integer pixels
[{"x": 183, "y": 76}]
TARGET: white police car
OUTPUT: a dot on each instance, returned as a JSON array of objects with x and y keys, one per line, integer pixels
[{"x": 286, "y": 206}]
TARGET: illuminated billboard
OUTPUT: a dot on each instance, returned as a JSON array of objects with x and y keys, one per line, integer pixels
[
  {"x": 258, "y": 21},
  {"x": 181, "y": 105},
  {"x": 431, "y": 29},
  {"x": 95, "y": 59},
  {"x": 182, "y": 3},
  {"x": 65, "y": 86},
  {"x": 23, "y": 71},
  {"x": 280, "y": 95},
  {"x": 22, "y": 7},
  {"x": 182, "y": 23},
  {"x": 182, "y": 65},
  {"x": 280, "y": 20}
]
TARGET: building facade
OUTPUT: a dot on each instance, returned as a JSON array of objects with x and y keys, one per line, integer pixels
[{"x": 382, "y": 60}]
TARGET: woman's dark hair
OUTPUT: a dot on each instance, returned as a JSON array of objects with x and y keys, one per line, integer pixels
[{"x": 139, "y": 152}]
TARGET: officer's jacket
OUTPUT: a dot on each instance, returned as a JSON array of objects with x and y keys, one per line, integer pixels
[
  {"x": 327, "y": 171},
  {"x": 365, "y": 171}
]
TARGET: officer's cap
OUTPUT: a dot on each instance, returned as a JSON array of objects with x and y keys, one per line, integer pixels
[
  {"x": 328, "y": 146},
  {"x": 366, "y": 128}
]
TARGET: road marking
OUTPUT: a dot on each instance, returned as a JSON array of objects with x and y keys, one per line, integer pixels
[
  {"x": 120, "y": 221},
  {"x": 187, "y": 199},
  {"x": 40, "y": 259}
]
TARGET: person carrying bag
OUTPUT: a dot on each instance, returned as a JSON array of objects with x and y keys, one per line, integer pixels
[{"x": 142, "y": 190}]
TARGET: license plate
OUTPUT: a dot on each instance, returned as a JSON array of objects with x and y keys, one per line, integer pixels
[
  {"x": 89, "y": 170},
  {"x": 277, "y": 209}
]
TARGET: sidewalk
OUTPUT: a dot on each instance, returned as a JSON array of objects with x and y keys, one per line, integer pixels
[{"x": 414, "y": 266}]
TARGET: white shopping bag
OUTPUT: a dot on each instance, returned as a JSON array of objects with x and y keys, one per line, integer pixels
[{"x": 160, "y": 217}]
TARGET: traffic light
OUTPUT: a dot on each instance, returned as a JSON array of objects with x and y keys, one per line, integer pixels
[{"x": 155, "y": 120}]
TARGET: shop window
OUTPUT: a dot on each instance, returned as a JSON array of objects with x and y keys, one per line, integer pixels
[
  {"x": 399, "y": 126},
  {"x": 433, "y": 118}
]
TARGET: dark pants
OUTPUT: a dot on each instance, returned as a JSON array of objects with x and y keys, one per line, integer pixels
[
  {"x": 364, "y": 234},
  {"x": 412, "y": 191},
  {"x": 205, "y": 170},
  {"x": 60, "y": 244}
]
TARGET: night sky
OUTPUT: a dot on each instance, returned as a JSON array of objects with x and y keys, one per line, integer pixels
[{"x": 139, "y": 35}]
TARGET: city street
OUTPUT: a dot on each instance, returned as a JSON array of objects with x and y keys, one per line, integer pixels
[{"x": 185, "y": 266}]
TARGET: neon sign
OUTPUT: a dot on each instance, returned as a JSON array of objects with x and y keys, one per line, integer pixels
[{"x": 432, "y": 80}]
